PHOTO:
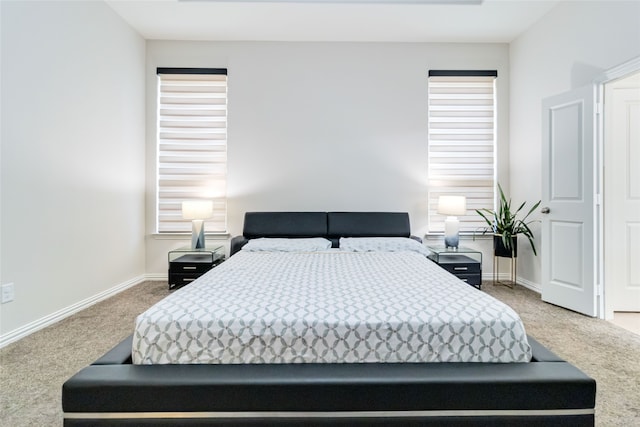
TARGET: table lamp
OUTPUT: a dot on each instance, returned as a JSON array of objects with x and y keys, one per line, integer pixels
[
  {"x": 452, "y": 206},
  {"x": 197, "y": 211}
]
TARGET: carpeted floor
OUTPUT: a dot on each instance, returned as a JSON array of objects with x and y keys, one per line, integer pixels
[{"x": 33, "y": 369}]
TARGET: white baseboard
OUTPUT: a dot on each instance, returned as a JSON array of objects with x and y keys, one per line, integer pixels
[
  {"x": 52, "y": 318},
  {"x": 156, "y": 277},
  {"x": 535, "y": 287}
]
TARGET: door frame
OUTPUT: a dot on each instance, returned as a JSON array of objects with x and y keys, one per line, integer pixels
[{"x": 625, "y": 69}]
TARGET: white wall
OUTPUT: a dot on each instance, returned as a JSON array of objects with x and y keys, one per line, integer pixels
[
  {"x": 322, "y": 126},
  {"x": 312, "y": 126},
  {"x": 72, "y": 188},
  {"x": 568, "y": 48}
]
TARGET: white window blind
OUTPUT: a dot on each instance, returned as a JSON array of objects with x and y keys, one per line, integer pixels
[
  {"x": 461, "y": 143},
  {"x": 192, "y": 145}
]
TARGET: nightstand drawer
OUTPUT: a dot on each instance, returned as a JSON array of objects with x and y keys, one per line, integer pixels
[
  {"x": 472, "y": 279},
  {"x": 459, "y": 264},
  {"x": 461, "y": 268},
  {"x": 192, "y": 263},
  {"x": 177, "y": 280},
  {"x": 178, "y": 268}
]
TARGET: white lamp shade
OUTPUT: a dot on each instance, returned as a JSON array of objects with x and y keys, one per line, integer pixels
[
  {"x": 452, "y": 205},
  {"x": 197, "y": 209}
]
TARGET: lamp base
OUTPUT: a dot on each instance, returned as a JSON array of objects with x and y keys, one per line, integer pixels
[
  {"x": 451, "y": 241},
  {"x": 451, "y": 232},
  {"x": 197, "y": 234}
]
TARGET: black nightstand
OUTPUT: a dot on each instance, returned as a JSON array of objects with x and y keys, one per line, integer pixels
[
  {"x": 464, "y": 263},
  {"x": 186, "y": 264}
]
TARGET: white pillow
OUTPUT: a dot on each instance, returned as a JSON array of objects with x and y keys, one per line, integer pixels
[
  {"x": 287, "y": 245},
  {"x": 382, "y": 244}
]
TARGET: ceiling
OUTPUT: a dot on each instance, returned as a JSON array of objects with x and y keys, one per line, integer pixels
[{"x": 498, "y": 21}]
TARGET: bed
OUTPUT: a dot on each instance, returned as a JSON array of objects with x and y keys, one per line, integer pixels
[{"x": 501, "y": 378}]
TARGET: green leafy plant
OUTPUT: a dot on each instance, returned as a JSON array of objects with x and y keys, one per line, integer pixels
[{"x": 505, "y": 221}]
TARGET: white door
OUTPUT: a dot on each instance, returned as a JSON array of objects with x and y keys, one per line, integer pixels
[
  {"x": 567, "y": 243},
  {"x": 622, "y": 197}
]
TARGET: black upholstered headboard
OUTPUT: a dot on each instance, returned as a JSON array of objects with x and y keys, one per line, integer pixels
[
  {"x": 330, "y": 225},
  {"x": 368, "y": 224},
  {"x": 284, "y": 224}
]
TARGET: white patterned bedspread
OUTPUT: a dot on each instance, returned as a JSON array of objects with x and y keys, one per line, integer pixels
[{"x": 328, "y": 307}]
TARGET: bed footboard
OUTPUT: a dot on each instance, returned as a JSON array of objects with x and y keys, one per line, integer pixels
[{"x": 547, "y": 391}]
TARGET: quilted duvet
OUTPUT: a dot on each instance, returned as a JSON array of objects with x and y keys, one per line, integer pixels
[{"x": 328, "y": 307}]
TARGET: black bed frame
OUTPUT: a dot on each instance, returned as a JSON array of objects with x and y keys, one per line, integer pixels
[{"x": 113, "y": 392}]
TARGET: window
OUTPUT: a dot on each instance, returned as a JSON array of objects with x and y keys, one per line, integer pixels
[
  {"x": 461, "y": 143},
  {"x": 192, "y": 145}
]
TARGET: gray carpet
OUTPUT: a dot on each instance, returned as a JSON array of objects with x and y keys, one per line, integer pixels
[{"x": 33, "y": 369}]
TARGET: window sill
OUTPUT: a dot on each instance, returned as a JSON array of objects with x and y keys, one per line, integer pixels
[
  {"x": 183, "y": 236},
  {"x": 463, "y": 236}
]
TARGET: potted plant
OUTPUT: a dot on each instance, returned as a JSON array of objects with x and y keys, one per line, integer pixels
[{"x": 505, "y": 226}]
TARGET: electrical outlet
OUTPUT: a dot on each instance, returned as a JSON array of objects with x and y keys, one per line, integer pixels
[{"x": 8, "y": 293}]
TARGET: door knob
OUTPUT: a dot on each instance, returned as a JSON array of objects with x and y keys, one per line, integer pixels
[{"x": 545, "y": 210}]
